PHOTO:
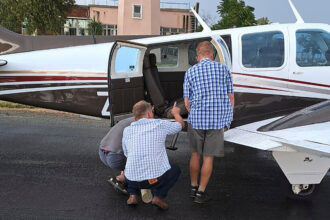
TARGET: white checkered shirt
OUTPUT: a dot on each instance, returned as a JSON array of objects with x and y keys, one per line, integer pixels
[
  {"x": 144, "y": 147},
  {"x": 207, "y": 85}
]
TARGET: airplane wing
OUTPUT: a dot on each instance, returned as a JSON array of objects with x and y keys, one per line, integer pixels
[
  {"x": 307, "y": 130},
  {"x": 312, "y": 138},
  {"x": 300, "y": 142}
]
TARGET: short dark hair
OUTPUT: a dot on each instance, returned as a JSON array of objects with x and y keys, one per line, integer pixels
[{"x": 140, "y": 109}]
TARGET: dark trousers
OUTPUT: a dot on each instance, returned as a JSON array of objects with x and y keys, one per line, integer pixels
[{"x": 160, "y": 188}]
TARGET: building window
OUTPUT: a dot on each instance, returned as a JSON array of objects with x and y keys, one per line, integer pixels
[
  {"x": 96, "y": 15},
  {"x": 137, "y": 11},
  {"x": 72, "y": 31},
  {"x": 81, "y": 32},
  {"x": 170, "y": 31},
  {"x": 109, "y": 30}
]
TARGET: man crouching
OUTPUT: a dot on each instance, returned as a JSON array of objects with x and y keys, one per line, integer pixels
[{"x": 147, "y": 165}]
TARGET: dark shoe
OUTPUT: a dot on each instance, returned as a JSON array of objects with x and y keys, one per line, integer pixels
[
  {"x": 160, "y": 203},
  {"x": 201, "y": 197},
  {"x": 193, "y": 191},
  {"x": 119, "y": 186},
  {"x": 132, "y": 200}
]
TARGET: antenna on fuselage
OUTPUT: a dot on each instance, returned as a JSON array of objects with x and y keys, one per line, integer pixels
[
  {"x": 296, "y": 13},
  {"x": 206, "y": 28}
]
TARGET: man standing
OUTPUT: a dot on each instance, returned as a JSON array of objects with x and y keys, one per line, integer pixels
[
  {"x": 209, "y": 98},
  {"x": 147, "y": 164},
  {"x": 112, "y": 155}
]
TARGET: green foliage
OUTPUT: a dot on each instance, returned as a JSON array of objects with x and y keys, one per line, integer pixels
[
  {"x": 234, "y": 13},
  {"x": 38, "y": 16},
  {"x": 11, "y": 14},
  {"x": 95, "y": 28},
  {"x": 262, "y": 21}
]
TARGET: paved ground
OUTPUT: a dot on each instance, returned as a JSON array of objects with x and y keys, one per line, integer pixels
[{"x": 49, "y": 169}]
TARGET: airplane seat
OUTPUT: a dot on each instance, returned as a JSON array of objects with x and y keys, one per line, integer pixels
[
  {"x": 155, "y": 73},
  {"x": 155, "y": 90}
]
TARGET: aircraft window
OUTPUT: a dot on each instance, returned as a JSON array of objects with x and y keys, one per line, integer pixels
[
  {"x": 225, "y": 52},
  {"x": 227, "y": 39},
  {"x": 126, "y": 60},
  {"x": 192, "y": 53},
  {"x": 313, "y": 48},
  {"x": 263, "y": 50},
  {"x": 166, "y": 56}
]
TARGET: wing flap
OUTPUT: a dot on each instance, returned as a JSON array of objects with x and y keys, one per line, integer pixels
[
  {"x": 250, "y": 139},
  {"x": 286, "y": 140}
]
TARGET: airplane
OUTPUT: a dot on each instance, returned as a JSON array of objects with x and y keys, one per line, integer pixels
[{"x": 280, "y": 75}]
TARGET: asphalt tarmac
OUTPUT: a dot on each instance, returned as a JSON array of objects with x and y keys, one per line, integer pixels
[{"x": 49, "y": 169}]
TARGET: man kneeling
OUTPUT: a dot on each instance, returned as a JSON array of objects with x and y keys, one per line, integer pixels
[{"x": 147, "y": 165}]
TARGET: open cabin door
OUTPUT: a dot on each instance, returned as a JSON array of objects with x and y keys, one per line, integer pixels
[
  {"x": 125, "y": 77},
  {"x": 222, "y": 49}
]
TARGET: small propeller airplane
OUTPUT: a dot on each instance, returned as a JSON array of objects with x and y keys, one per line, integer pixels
[{"x": 281, "y": 75}]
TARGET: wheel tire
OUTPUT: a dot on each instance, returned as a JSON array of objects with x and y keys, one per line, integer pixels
[{"x": 306, "y": 194}]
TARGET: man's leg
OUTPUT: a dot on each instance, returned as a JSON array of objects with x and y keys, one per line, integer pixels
[
  {"x": 206, "y": 172},
  {"x": 194, "y": 168},
  {"x": 167, "y": 181},
  {"x": 117, "y": 162},
  {"x": 133, "y": 191}
]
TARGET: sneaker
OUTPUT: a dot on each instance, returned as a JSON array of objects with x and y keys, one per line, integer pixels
[
  {"x": 201, "y": 197},
  {"x": 193, "y": 191}
]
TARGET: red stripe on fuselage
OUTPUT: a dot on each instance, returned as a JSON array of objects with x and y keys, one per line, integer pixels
[
  {"x": 282, "y": 79},
  {"x": 256, "y": 87},
  {"x": 4, "y": 79}
]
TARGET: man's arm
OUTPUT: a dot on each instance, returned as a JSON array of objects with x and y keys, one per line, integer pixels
[
  {"x": 176, "y": 114},
  {"x": 230, "y": 88},
  {"x": 186, "y": 91},
  {"x": 124, "y": 144},
  {"x": 186, "y": 104},
  {"x": 232, "y": 99}
]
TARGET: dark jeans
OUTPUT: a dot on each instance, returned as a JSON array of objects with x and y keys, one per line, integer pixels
[
  {"x": 116, "y": 161},
  {"x": 161, "y": 187}
]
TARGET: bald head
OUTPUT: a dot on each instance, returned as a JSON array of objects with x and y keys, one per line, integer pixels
[
  {"x": 204, "y": 50},
  {"x": 142, "y": 109}
]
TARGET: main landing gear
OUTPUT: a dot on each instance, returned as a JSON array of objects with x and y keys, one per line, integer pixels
[{"x": 301, "y": 191}]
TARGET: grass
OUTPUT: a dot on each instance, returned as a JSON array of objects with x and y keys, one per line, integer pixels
[{"x": 4, "y": 104}]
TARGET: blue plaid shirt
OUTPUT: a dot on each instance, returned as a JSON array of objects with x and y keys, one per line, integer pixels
[
  {"x": 206, "y": 85},
  {"x": 144, "y": 147}
]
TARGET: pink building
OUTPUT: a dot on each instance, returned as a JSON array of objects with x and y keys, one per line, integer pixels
[{"x": 142, "y": 17}]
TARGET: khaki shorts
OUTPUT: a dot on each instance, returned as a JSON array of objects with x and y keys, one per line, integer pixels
[{"x": 206, "y": 142}]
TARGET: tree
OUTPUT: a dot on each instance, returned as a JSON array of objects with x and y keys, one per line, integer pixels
[
  {"x": 262, "y": 21},
  {"x": 234, "y": 13},
  {"x": 39, "y": 16},
  {"x": 12, "y": 14},
  {"x": 95, "y": 27}
]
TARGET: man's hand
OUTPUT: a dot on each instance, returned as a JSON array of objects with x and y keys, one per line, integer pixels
[
  {"x": 186, "y": 104},
  {"x": 176, "y": 114},
  {"x": 175, "y": 110}
]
